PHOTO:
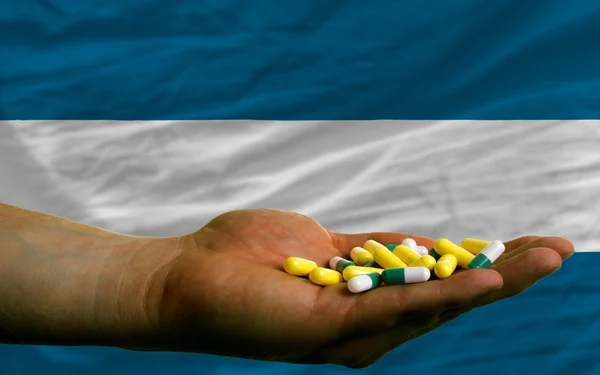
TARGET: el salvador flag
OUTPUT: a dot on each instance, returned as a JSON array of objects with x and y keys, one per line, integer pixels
[{"x": 453, "y": 119}]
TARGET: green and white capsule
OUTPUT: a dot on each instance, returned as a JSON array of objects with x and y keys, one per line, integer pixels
[
  {"x": 364, "y": 282},
  {"x": 408, "y": 275},
  {"x": 391, "y": 246},
  {"x": 339, "y": 264},
  {"x": 488, "y": 255}
]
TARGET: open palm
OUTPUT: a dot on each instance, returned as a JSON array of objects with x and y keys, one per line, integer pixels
[{"x": 227, "y": 294}]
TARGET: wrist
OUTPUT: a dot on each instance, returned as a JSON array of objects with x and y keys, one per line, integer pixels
[
  {"x": 129, "y": 291},
  {"x": 66, "y": 283}
]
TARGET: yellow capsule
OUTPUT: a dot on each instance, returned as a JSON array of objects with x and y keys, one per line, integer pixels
[
  {"x": 444, "y": 246},
  {"x": 473, "y": 245},
  {"x": 426, "y": 261},
  {"x": 298, "y": 266},
  {"x": 353, "y": 271},
  {"x": 387, "y": 259},
  {"x": 325, "y": 276},
  {"x": 406, "y": 254},
  {"x": 445, "y": 266},
  {"x": 361, "y": 256},
  {"x": 371, "y": 246}
]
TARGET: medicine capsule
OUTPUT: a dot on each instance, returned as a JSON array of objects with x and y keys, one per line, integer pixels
[
  {"x": 324, "y": 276},
  {"x": 445, "y": 266},
  {"x": 391, "y": 246},
  {"x": 434, "y": 254},
  {"x": 372, "y": 265},
  {"x": 339, "y": 263},
  {"x": 410, "y": 243},
  {"x": 426, "y": 261},
  {"x": 405, "y": 254},
  {"x": 360, "y": 256},
  {"x": 364, "y": 282},
  {"x": 488, "y": 255},
  {"x": 401, "y": 276},
  {"x": 474, "y": 246},
  {"x": 298, "y": 266},
  {"x": 387, "y": 259},
  {"x": 444, "y": 246},
  {"x": 422, "y": 250},
  {"x": 371, "y": 245},
  {"x": 354, "y": 271}
]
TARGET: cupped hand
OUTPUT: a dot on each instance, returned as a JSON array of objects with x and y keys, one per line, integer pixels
[{"x": 227, "y": 293}]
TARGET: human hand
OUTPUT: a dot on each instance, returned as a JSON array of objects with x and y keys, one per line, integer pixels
[{"x": 227, "y": 294}]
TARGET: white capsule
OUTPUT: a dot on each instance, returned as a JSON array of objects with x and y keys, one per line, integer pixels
[
  {"x": 417, "y": 275},
  {"x": 488, "y": 255},
  {"x": 494, "y": 250},
  {"x": 422, "y": 250},
  {"x": 363, "y": 283},
  {"x": 410, "y": 243}
]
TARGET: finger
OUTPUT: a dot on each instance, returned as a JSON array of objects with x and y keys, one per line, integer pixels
[
  {"x": 518, "y": 242},
  {"x": 346, "y": 242},
  {"x": 563, "y": 247},
  {"x": 522, "y": 271},
  {"x": 382, "y": 308}
]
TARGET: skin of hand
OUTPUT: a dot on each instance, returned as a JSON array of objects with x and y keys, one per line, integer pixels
[
  {"x": 226, "y": 292},
  {"x": 222, "y": 289}
]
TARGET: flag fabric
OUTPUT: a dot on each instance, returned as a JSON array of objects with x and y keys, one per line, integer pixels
[{"x": 446, "y": 119}]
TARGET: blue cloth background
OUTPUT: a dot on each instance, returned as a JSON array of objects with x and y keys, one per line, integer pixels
[{"x": 323, "y": 60}]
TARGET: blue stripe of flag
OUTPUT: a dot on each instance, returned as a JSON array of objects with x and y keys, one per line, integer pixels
[{"x": 299, "y": 60}]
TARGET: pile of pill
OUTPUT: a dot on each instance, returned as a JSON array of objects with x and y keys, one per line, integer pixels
[{"x": 376, "y": 264}]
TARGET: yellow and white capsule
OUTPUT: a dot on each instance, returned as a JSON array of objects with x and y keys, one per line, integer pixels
[
  {"x": 410, "y": 243},
  {"x": 299, "y": 266},
  {"x": 325, "y": 276},
  {"x": 354, "y": 271},
  {"x": 473, "y": 245},
  {"x": 360, "y": 256},
  {"x": 445, "y": 246},
  {"x": 445, "y": 266},
  {"x": 426, "y": 261},
  {"x": 422, "y": 250},
  {"x": 387, "y": 259},
  {"x": 406, "y": 254}
]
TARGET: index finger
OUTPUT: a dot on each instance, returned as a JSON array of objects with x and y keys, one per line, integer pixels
[{"x": 346, "y": 242}]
